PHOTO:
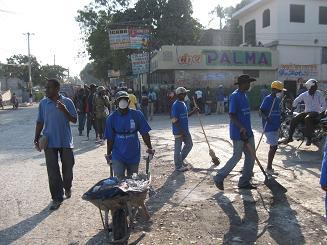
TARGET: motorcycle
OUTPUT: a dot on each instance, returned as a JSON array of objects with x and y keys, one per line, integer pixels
[{"x": 320, "y": 129}]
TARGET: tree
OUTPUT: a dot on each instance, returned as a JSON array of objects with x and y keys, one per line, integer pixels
[
  {"x": 53, "y": 71},
  {"x": 219, "y": 12},
  {"x": 171, "y": 22}
]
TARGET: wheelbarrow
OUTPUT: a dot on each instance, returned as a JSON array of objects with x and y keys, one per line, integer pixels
[{"x": 122, "y": 202}]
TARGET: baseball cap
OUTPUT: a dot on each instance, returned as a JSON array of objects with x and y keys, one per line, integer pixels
[
  {"x": 181, "y": 90},
  {"x": 100, "y": 88},
  {"x": 121, "y": 94},
  {"x": 278, "y": 85},
  {"x": 244, "y": 79}
]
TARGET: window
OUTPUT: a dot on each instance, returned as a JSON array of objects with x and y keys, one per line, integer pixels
[
  {"x": 324, "y": 55},
  {"x": 249, "y": 33},
  {"x": 266, "y": 18},
  {"x": 323, "y": 15},
  {"x": 297, "y": 13}
]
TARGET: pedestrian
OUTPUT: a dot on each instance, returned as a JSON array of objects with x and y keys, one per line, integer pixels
[
  {"x": 81, "y": 104},
  {"x": 30, "y": 98},
  {"x": 101, "y": 105},
  {"x": 199, "y": 99},
  {"x": 1, "y": 101},
  {"x": 208, "y": 101},
  {"x": 152, "y": 100},
  {"x": 54, "y": 117},
  {"x": 187, "y": 103},
  {"x": 220, "y": 99},
  {"x": 171, "y": 97},
  {"x": 145, "y": 104},
  {"x": 121, "y": 133},
  {"x": 181, "y": 132},
  {"x": 14, "y": 101},
  {"x": 132, "y": 99},
  {"x": 90, "y": 115},
  {"x": 323, "y": 178},
  {"x": 241, "y": 134},
  {"x": 271, "y": 120}
]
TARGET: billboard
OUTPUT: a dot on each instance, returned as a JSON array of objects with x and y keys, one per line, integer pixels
[
  {"x": 129, "y": 38},
  {"x": 140, "y": 63}
]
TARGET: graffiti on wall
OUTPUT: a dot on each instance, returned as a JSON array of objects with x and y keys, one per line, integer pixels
[{"x": 297, "y": 71}]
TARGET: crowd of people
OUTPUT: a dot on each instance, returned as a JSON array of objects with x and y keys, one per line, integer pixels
[{"x": 118, "y": 117}]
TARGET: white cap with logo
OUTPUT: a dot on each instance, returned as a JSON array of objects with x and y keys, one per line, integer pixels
[{"x": 181, "y": 90}]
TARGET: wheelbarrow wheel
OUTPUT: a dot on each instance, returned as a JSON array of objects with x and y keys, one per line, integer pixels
[{"x": 120, "y": 226}]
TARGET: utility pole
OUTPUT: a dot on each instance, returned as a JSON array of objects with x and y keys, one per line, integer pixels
[
  {"x": 54, "y": 59},
  {"x": 30, "y": 84}
]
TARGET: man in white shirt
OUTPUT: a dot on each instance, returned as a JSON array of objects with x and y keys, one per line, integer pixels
[{"x": 315, "y": 106}]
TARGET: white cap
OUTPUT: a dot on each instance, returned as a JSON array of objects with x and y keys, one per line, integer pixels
[
  {"x": 310, "y": 83},
  {"x": 181, "y": 90}
]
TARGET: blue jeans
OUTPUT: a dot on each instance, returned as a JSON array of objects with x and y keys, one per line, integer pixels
[
  {"x": 180, "y": 154},
  {"x": 81, "y": 122},
  {"x": 238, "y": 148},
  {"x": 119, "y": 168}
]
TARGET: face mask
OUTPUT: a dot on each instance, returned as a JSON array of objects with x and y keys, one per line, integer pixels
[
  {"x": 249, "y": 90},
  {"x": 123, "y": 104},
  {"x": 280, "y": 94}
]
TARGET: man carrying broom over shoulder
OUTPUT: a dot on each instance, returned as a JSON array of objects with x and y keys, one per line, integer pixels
[
  {"x": 271, "y": 119},
  {"x": 241, "y": 134}
]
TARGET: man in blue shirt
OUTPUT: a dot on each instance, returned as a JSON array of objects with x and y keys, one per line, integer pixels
[
  {"x": 241, "y": 134},
  {"x": 54, "y": 117},
  {"x": 121, "y": 132},
  {"x": 179, "y": 118},
  {"x": 271, "y": 119},
  {"x": 323, "y": 178},
  {"x": 220, "y": 97}
]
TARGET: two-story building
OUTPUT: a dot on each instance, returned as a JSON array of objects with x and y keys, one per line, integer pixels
[{"x": 296, "y": 29}]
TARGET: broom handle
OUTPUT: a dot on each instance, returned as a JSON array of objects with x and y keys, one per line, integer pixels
[
  {"x": 252, "y": 152},
  {"x": 205, "y": 135},
  {"x": 264, "y": 128}
]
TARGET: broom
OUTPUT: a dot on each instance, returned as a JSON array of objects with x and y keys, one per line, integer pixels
[{"x": 212, "y": 154}]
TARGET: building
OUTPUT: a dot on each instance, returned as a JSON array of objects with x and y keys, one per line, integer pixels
[
  {"x": 296, "y": 29},
  {"x": 202, "y": 66}
]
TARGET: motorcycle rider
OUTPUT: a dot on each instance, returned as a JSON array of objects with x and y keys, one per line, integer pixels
[{"x": 315, "y": 106}]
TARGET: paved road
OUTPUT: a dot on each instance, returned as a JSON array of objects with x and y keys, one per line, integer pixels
[{"x": 24, "y": 196}]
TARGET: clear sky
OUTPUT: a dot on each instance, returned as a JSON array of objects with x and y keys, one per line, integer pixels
[{"x": 57, "y": 33}]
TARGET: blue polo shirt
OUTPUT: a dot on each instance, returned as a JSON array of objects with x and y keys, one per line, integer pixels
[
  {"x": 323, "y": 176},
  {"x": 56, "y": 125},
  {"x": 239, "y": 105},
  {"x": 179, "y": 111},
  {"x": 123, "y": 131},
  {"x": 274, "y": 119}
]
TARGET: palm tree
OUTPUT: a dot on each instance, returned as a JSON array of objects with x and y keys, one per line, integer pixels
[{"x": 219, "y": 12}]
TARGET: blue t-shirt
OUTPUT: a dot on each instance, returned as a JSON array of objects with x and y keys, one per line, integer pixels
[
  {"x": 123, "y": 131},
  {"x": 274, "y": 119},
  {"x": 56, "y": 124},
  {"x": 323, "y": 176},
  {"x": 239, "y": 105},
  {"x": 179, "y": 111}
]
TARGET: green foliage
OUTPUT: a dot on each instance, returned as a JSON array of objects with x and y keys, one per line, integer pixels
[{"x": 171, "y": 22}]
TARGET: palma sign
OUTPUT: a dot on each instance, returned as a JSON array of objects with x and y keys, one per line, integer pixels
[{"x": 237, "y": 58}]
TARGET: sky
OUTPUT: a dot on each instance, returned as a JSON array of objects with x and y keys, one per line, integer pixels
[{"x": 55, "y": 31}]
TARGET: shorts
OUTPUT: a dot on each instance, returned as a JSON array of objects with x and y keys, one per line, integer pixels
[{"x": 272, "y": 138}]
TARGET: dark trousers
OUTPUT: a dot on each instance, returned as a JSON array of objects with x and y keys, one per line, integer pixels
[
  {"x": 101, "y": 123},
  {"x": 308, "y": 118},
  {"x": 81, "y": 122},
  {"x": 90, "y": 121},
  {"x": 56, "y": 182}
]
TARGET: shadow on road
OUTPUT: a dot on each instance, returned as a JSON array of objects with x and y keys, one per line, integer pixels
[
  {"x": 13, "y": 233},
  {"x": 243, "y": 231}
]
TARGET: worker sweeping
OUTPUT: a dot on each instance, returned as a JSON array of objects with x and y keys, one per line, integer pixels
[
  {"x": 271, "y": 120},
  {"x": 179, "y": 118},
  {"x": 241, "y": 134}
]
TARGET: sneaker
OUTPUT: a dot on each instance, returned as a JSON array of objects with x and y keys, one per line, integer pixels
[
  {"x": 182, "y": 169},
  {"x": 55, "y": 205},
  {"x": 97, "y": 140},
  {"x": 248, "y": 187},
  {"x": 270, "y": 171},
  {"x": 68, "y": 193},
  {"x": 285, "y": 141},
  {"x": 308, "y": 143},
  {"x": 219, "y": 184}
]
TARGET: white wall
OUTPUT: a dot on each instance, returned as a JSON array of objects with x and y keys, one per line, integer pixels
[
  {"x": 301, "y": 33},
  {"x": 300, "y": 55},
  {"x": 267, "y": 34}
]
